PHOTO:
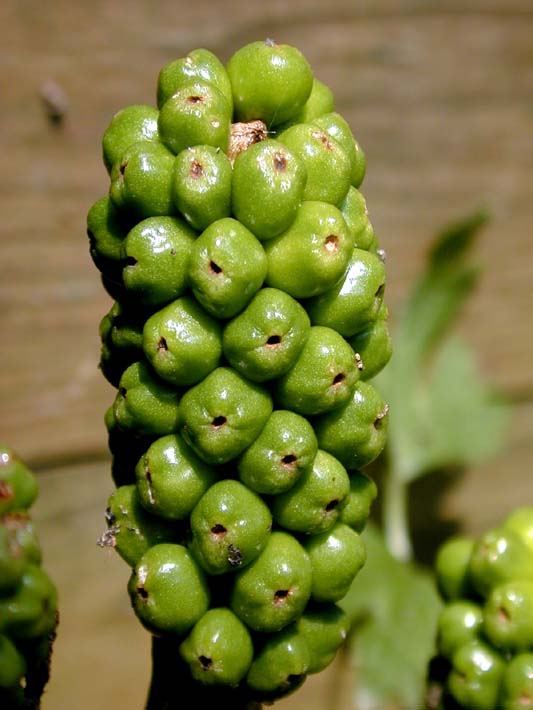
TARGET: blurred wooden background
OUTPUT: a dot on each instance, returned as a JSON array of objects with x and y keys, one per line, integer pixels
[{"x": 440, "y": 95}]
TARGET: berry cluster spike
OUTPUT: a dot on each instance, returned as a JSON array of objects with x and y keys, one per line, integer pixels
[
  {"x": 28, "y": 598},
  {"x": 485, "y": 629},
  {"x": 247, "y": 323}
]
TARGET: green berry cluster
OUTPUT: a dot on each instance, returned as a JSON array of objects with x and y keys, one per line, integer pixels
[
  {"x": 247, "y": 323},
  {"x": 28, "y": 598},
  {"x": 485, "y": 630}
]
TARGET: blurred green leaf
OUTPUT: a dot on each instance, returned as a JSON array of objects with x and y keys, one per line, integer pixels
[
  {"x": 454, "y": 241},
  {"x": 466, "y": 422},
  {"x": 394, "y": 608},
  {"x": 442, "y": 411}
]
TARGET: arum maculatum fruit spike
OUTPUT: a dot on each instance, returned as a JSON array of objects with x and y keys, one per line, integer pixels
[
  {"x": 28, "y": 597},
  {"x": 248, "y": 319},
  {"x": 485, "y": 629}
]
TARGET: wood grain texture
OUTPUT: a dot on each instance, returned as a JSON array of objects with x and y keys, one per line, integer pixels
[{"x": 439, "y": 95}]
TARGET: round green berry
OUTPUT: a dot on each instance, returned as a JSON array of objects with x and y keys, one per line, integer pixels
[
  {"x": 336, "y": 555},
  {"x": 131, "y": 530},
  {"x": 182, "y": 342},
  {"x": 18, "y": 485},
  {"x": 498, "y": 556},
  {"x": 156, "y": 256},
  {"x": 273, "y": 591},
  {"x": 144, "y": 403},
  {"x": 171, "y": 479},
  {"x": 281, "y": 664},
  {"x": 230, "y": 527},
  {"x": 168, "y": 590},
  {"x": 452, "y": 567},
  {"x": 202, "y": 185},
  {"x": 228, "y": 265},
  {"x": 223, "y": 414},
  {"x": 314, "y": 503},
  {"x": 373, "y": 344},
  {"x": 460, "y": 621},
  {"x": 363, "y": 492},
  {"x": 356, "y": 300},
  {"x": 284, "y": 449},
  {"x": 322, "y": 378},
  {"x": 121, "y": 335},
  {"x": 474, "y": 681},
  {"x": 312, "y": 254},
  {"x": 355, "y": 433},
  {"x": 517, "y": 683},
  {"x": 508, "y": 616},
  {"x": 269, "y": 81},
  {"x": 278, "y": 178},
  {"x": 106, "y": 231},
  {"x": 322, "y": 156},
  {"x": 355, "y": 213},
  {"x": 130, "y": 125},
  {"x": 325, "y": 628},
  {"x": 141, "y": 181},
  {"x": 219, "y": 649},
  {"x": 264, "y": 341},
  {"x": 198, "y": 65},
  {"x": 196, "y": 114}
]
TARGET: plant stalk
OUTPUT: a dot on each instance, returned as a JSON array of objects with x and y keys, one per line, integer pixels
[
  {"x": 172, "y": 688},
  {"x": 396, "y": 516}
]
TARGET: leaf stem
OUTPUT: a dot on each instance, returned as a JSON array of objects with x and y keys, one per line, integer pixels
[{"x": 396, "y": 516}]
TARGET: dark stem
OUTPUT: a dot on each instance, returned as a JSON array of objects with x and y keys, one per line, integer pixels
[{"x": 172, "y": 687}]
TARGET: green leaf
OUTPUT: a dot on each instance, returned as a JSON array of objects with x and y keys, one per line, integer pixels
[
  {"x": 442, "y": 413},
  {"x": 394, "y": 608},
  {"x": 454, "y": 241},
  {"x": 466, "y": 424}
]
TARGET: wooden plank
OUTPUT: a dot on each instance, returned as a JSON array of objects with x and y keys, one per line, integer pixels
[{"x": 440, "y": 98}]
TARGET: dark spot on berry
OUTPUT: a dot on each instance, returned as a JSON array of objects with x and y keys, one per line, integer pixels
[
  {"x": 274, "y": 340},
  {"x": 280, "y": 162},
  {"x": 503, "y": 615},
  {"x": 162, "y": 344},
  {"x": 6, "y": 492},
  {"x": 214, "y": 268},
  {"x": 172, "y": 252},
  {"x": 141, "y": 591},
  {"x": 110, "y": 517},
  {"x": 218, "y": 422},
  {"x": 234, "y": 556},
  {"x": 339, "y": 377},
  {"x": 205, "y": 662},
  {"x": 131, "y": 261},
  {"x": 378, "y": 422},
  {"x": 289, "y": 460},
  {"x": 331, "y": 243},
  {"x": 196, "y": 170},
  {"x": 280, "y": 597},
  {"x": 218, "y": 531},
  {"x": 195, "y": 99},
  {"x": 332, "y": 505},
  {"x": 379, "y": 294},
  {"x": 323, "y": 138}
]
